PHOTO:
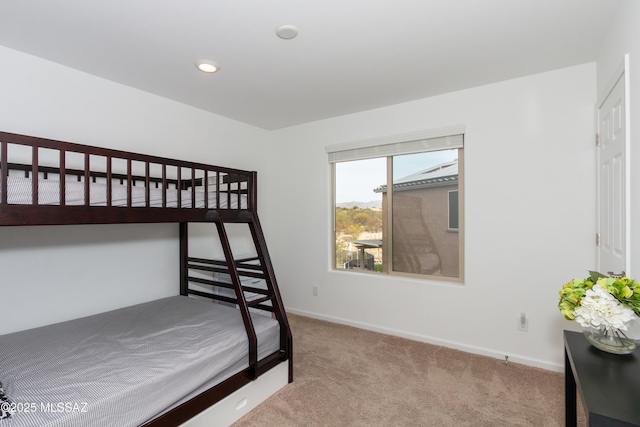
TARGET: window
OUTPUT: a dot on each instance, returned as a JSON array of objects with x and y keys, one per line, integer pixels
[
  {"x": 453, "y": 210},
  {"x": 397, "y": 205}
]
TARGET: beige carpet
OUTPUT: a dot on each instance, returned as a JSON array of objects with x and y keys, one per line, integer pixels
[{"x": 345, "y": 376}]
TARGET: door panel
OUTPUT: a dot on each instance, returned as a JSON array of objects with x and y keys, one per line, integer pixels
[{"x": 612, "y": 181}]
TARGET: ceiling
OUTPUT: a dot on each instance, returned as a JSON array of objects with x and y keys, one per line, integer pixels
[{"x": 349, "y": 55}]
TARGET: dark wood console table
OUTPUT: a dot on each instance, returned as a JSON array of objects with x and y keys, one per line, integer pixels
[{"x": 608, "y": 384}]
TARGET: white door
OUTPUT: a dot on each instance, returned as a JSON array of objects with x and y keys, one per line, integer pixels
[{"x": 612, "y": 181}]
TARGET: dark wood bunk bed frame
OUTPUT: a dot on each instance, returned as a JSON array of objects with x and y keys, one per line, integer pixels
[{"x": 228, "y": 184}]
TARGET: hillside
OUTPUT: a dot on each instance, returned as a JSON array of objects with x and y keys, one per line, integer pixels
[{"x": 374, "y": 204}]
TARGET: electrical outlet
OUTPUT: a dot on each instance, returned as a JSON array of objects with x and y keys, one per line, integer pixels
[
  {"x": 315, "y": 291},
  {"x": 523, "y": 322}
]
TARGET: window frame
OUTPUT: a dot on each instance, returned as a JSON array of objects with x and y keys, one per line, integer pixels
[{"x": 373, "y": 146}]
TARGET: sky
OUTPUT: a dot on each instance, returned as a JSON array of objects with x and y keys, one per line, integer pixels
[{"x": 356, "y": 180}]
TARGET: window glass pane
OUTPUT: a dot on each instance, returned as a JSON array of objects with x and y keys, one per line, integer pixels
[
  {"x": 423, "y": 242},
  {"x": 358, "y": 215},
  {"x": 453, "y": 210}
]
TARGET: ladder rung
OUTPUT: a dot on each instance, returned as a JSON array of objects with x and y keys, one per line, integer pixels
[
  {"x": 212, "y": 296},
  {"x": 260, "y": 291},
  {"x": 223, "y": 270},
  {"x": 209, "y": 282},
  {"x": 246, "y": 266},
  {"x": 207, "y": 261},
  {"x": 268, "y": 362},
  {"x": 265, "y": 308},
  {"x": 247, "y": 259},
  {"x": 259, "y": 301}
]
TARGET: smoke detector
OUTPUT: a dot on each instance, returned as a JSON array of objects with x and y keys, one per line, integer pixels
[{"x": 287, "y": 32}]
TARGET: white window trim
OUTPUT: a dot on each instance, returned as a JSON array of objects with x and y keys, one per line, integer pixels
[{"x": 394, "y": 145}]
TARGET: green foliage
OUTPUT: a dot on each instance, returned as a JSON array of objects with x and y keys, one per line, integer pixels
[
  {"x": 571, "y": 294},
  {"x": 350, "y": 224},
  {"x": 626, "y": 290},
  {"x": 354, "y": 221}
]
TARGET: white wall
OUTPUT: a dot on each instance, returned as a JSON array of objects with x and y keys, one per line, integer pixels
[
  {"x": 529, "y": 206},
  {"x": 624, "y": 38},
  {"x": 50, "y": 274}
]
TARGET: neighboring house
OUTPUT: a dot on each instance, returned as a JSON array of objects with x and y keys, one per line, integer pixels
[
  {"x": 359, "y": 250},
  {"x": 425, "y": 210}
]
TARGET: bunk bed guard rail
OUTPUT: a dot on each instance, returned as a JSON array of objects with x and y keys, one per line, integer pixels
[{"x": 67, "y": 182}]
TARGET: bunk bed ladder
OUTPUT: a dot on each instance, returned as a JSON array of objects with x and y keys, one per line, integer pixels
[
  {"x": 273, "y": 291},
  {"x": 264, "y": 270}
]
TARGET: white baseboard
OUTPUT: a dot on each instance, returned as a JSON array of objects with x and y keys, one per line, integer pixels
[
  {"x": 430, "y": 340},
  {"x": 239, "y": 403}
]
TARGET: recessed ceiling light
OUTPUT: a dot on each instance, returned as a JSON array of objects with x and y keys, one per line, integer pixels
[
  {"x": 287, "y": 32},
  {"x": 207, "y": 66}
]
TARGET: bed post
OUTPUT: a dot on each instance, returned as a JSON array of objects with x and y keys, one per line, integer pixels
[
  {"x": 184, "y": 254},
  {"x": 253, "y": 195},
  {"x": 4, "y": 173}
]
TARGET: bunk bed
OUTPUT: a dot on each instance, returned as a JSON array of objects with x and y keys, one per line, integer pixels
[{"x": 158, "y": 363}]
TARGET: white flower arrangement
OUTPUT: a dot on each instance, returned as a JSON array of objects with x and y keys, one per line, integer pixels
[
  {"x": 601, "y": 300},
  {"x": 607, "y": 308},
  {"x": 599, "y": 308}
]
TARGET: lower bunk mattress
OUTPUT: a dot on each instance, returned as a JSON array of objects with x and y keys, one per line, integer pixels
[{"x": 127, "y": 366}]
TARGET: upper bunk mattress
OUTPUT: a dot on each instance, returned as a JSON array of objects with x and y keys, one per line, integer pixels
[
  {"x": 127, "y": 366},
  {"x": 20, "y": 193}
]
